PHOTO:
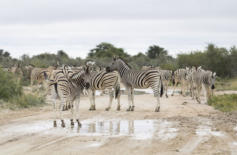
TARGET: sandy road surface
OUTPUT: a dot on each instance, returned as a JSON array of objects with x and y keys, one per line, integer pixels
[{"x": 182, "y": 127}]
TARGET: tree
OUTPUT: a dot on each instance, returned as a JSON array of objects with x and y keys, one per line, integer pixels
[
  {"x": 107, "y": 50},
  {"x": 155, "y": 51}
]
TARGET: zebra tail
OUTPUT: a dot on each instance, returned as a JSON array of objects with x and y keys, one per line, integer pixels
[
  {"x": 56, "y": 88},
  {"x": 117, "y": 91},
  {"x": 45, "y": 76},
  {"x": 161, "y": 88}
]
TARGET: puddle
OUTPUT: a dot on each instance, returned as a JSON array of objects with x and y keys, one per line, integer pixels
[{"x": 136, "y": 129}]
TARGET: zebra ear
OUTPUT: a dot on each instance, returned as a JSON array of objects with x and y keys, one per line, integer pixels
[
  {"x": 115, "y": 57},
  {"x": 214, "y": 74}
]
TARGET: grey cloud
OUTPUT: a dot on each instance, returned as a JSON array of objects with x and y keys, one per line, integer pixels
[{"x": 40, "y": 11}]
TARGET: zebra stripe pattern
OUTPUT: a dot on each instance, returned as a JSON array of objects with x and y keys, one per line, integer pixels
[
  {"x": 103, "y": 80},
  {"x": 180, "y": 77},
  {"x": 137, "y": 79},
  {"x": 204, "y": 78},
  {"x": 66, "y": 91}
]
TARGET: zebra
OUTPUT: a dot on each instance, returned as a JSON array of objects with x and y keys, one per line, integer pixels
[
  {"x": 38, "y": 74},
  {"x": 137, "y": 79},
  {"x": 204, "y": 78},
  {"x": 190, "y": 80},
  {"x": 102, "y": 80},
  {"x": 166, "y": 78},
  {"x": 165, "y": 74},
  {"x": 180, "y": 77},
  {"x": 61, "y": 86}
]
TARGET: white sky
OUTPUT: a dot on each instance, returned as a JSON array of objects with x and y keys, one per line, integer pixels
[{"x": 76, "y": 26}]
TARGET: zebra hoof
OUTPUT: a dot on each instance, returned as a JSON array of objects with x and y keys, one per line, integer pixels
[
  {"x": 78, "y": 122},
  {"x": 62, "y": 124},
  {"x": 118, "y": 108},
  {"x": 107, "y": 109},
  {"x": 172, "y": 94},
  {"x": 166, "y": 96},
  {"x": 157, "y": 109},
  {"x": 132, "y": 108},
  {"x": 72, "y": 123},
  {"x": 129, "y": 108},
  {"x": 54, "y": 124}
]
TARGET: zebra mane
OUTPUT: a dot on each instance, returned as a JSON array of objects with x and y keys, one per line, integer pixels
[{"x": 125, "y": 63}]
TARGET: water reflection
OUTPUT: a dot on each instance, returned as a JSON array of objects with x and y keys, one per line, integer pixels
[{"x": 139, "y": 129}]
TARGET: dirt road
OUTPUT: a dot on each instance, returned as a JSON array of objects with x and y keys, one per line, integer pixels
[{"x": 182, "y": 127}]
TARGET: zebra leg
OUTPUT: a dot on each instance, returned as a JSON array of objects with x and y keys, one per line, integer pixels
[
  {"x": 175, "y": 85},
  {"x": 132, "y": 98},
  {"x": 199, "y": 88},
  {"x": 129, "y": 98},
  {"x": 156, "y": 87},
  {"x": 72, "y": 114},
  {"x": 77, "y": 103},
  {"x": 60, "y": 114},
  {"x": 55, "y": 112},
  {"x": 118, "y": 100},
  {"x": 208, "y": 95},
  {"x": 93, "y": 99},
  {"x": 166, "y": 88},
  {"x": 110, "y": 99}
]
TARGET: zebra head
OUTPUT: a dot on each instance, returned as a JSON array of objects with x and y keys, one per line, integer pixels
[
  {"x": 86, "y": 76},
  {"x": 213, "y": 79},
  {"x": 117, "y": 64},
  {"x": 114, "y": 65}
]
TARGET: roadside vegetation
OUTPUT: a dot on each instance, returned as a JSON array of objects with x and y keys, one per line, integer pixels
[
  {"x": 225, "y": 103},
  {"x": 12, "y": 95},
  {"x": 226, "y": 84}
]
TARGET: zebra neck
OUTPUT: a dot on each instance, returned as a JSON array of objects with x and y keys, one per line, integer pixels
[{"x": 123, "y": 70}]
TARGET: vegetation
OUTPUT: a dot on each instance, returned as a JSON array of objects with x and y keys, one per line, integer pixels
[
  {"x": 225, "y": 103},
  {"x": 11, "y": 93},
  {"x": 9, "y": 86},
  {"x": 218, "y": 59},
  {"x": 226, "y": 84},
  {"x": 221, "y": 60}
]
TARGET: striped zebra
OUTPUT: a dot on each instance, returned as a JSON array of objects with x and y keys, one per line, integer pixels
[
  {"x": 39, "y": 74},
  {"x": 62, "y": 87},
  {"x": 190, "y": 80},
  {"x": 137, "y": 79},
  {"x": 166, "y": 78},
  {"x": 103, "y": 80},
  {"x": 180, "y": 77},
  {"x": 204, "y": 78}
]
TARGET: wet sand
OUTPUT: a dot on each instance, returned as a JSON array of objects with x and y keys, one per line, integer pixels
[{"x": 181, "y": 127}]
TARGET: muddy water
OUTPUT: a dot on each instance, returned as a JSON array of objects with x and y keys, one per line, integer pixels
[{"x": 137, "y": 129}]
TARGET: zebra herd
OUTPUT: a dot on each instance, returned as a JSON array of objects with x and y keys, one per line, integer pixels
[{"x": 65, "y": 84}]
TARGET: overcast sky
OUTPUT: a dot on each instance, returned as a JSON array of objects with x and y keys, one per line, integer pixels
[{"x": 76, "y": 26}]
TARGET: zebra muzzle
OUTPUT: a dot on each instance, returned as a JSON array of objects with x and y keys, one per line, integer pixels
[
  {"x": 87, "y": 85},
  {"x": 107, "y": 69},
  {"x": 212, "y": 86}
]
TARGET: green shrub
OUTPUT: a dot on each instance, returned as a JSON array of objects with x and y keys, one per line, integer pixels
[
  {"x": 26, "y": 101},
  {"x": 224, "y": 102},
  {"x": 9, "y": 86}
]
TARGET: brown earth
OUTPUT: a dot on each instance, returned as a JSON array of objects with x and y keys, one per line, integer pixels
[{"x": 181, "y": 127}]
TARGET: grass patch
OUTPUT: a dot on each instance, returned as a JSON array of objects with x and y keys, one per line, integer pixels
[
  {"x": 226, "y": 84},
  {"x": 23, "y": 101},
  {"x": 225, "y": 103}
]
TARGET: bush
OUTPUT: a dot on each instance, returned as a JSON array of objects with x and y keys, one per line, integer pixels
[
  {"x": 225, "y": 103},
  {"x": 9, "y": 86},
  {"x": 26, "y": 101}
]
